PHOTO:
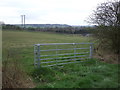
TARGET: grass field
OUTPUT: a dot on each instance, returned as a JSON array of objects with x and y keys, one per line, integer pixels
[{"x": 18, "y": 55}]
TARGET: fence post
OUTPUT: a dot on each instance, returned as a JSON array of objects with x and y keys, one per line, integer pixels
[
  {"x": 56, "y": 53},
  {"x": 35, "y": 55},
  {"x": 74, "y": 44},
  {"x": 91, "y": 50},
  {"x": 38, "y": 55}
]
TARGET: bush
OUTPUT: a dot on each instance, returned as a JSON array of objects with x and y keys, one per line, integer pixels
[{"x": 107, "y": 17}]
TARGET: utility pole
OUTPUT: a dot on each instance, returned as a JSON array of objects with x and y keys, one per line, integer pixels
[{"x": 23, "y": 21}]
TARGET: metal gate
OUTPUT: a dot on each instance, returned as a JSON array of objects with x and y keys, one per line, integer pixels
[{"x": 52, "y": 54}]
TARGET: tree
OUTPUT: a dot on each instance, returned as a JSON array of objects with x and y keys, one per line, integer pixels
[
  {"x": 107, "y": 18},
  {"x": 107, "y": 14}
]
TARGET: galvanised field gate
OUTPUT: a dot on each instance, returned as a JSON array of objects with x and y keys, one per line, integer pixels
[{"x": 61, "y": 53}]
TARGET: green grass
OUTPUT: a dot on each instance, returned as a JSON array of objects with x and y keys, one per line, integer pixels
[
  {"x": 89, "y": 74},
  {"x": 83, "y": 75}
]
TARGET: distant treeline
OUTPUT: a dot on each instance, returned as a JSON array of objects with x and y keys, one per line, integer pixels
[
  {"x": 10, "y": 27},
  {"x": 67, "y": 30}
]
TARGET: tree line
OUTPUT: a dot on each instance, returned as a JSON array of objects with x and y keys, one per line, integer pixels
[{"x": 67, "y": 30}]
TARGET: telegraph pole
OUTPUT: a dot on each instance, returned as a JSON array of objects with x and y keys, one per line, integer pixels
[{"x": 23, "y": 21}]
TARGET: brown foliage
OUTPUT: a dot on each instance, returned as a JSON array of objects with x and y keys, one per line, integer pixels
[
  {"x": 12, "y": 75},
  {"x": 107, "y": 18}
]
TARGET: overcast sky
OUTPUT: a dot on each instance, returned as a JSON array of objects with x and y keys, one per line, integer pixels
[{"x": 72, "y": 12}]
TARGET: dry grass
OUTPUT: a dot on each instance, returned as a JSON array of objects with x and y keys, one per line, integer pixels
[
  {"x": 106, "y": 56},
  {"x": 13, "y": 75}
]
